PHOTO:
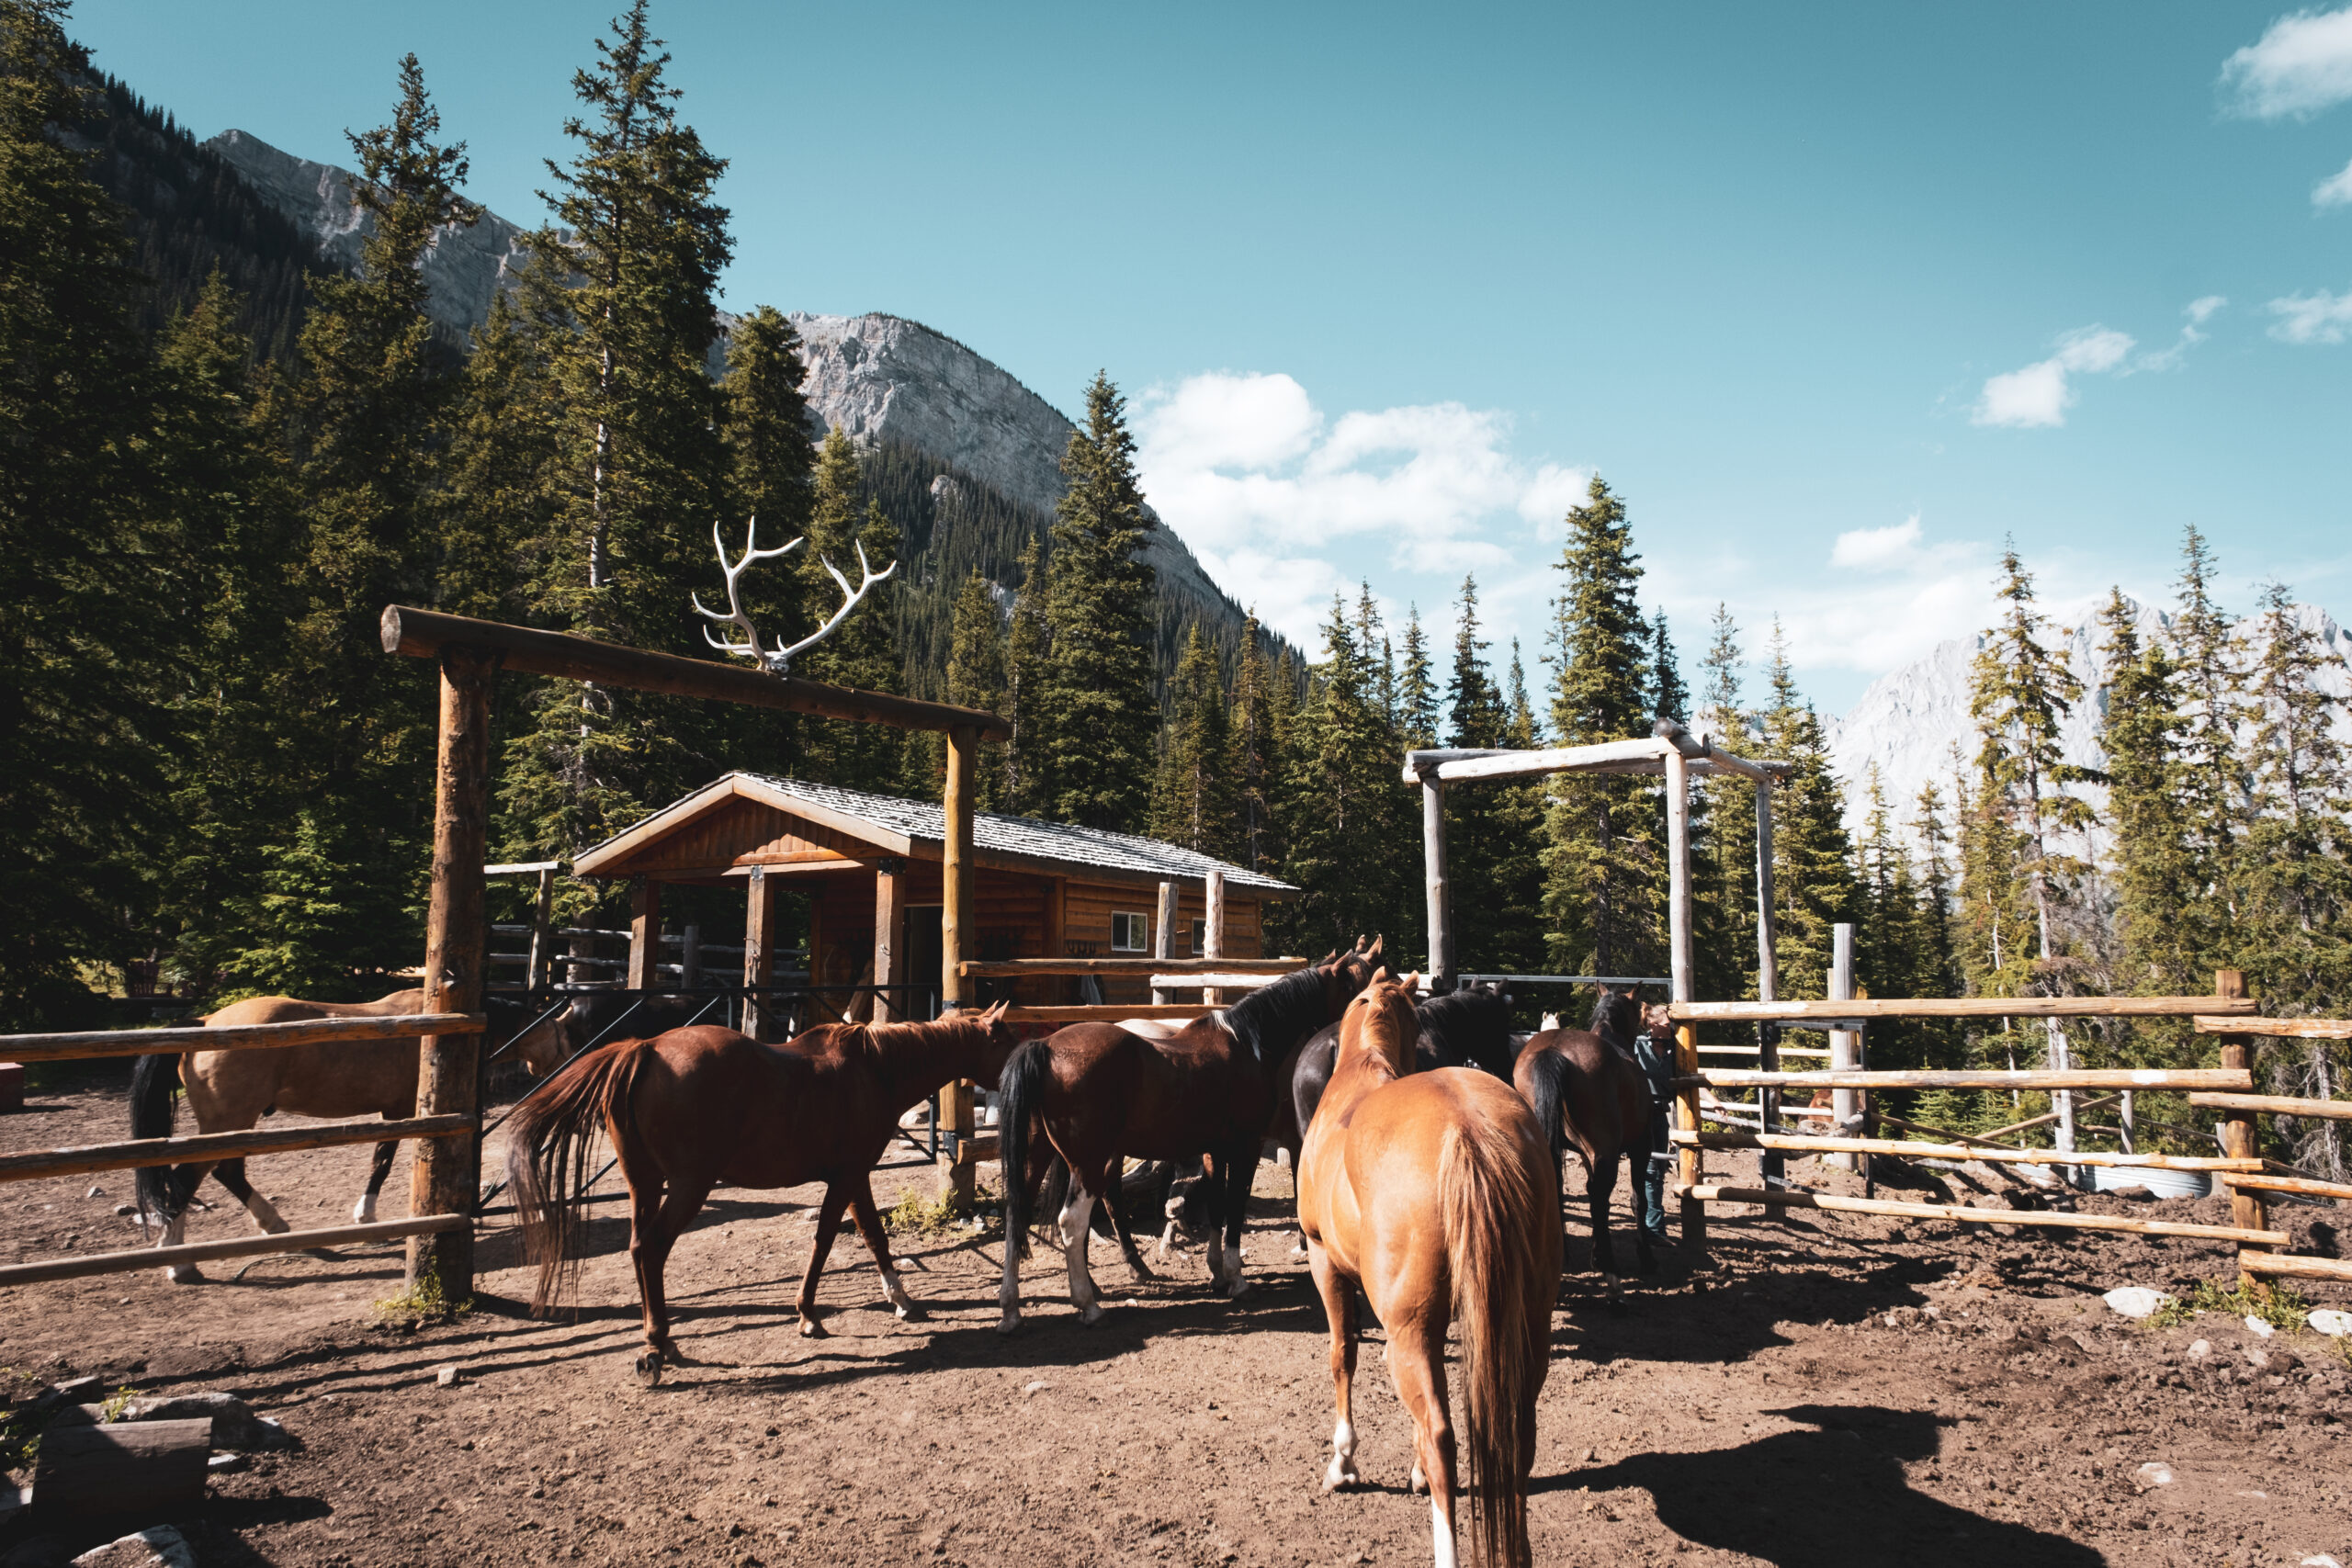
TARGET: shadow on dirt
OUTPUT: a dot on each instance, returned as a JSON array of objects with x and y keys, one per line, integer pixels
[{"x": 1752, "y": 1499}]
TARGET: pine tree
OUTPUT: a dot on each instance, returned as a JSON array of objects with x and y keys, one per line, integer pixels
[
  {"x": 498, "y": 497},
  {"x": 1491, "y": 829},
  {"x": 2165, "y": 934},
  {"x": 1416, "y": 690},
  {"x": 1723, "y": 862},
  {"x": 2214, "y": 778},
  {"x": 1522, "y": 733},
  {"x": 1100, "y": 711},
  {"x": 1255, "y": 755},
  {"x": 623, "y": 298},
  {"x": 1027, "y": 787},
  {"x": 1814, "y": 885},
  {"x": 771, "y": 488},
  {"x": 1604, "y": 864},
  {"x": 846, "y": 534},
  {"x": 1341, "y": 793},
  {"x": 1194, "y": 803},
  {"x": 976, "y": 677}
]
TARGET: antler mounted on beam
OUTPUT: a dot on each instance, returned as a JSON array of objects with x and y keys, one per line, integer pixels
[{"x": 779, "y": 660}]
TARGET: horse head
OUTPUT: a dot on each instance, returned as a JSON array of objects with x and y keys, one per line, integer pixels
[
  {"x": 545, "y": 1044},
  {"x": 1345, "y": 974},
  {"x": 1617, "y": 1016},
  {"x": 1001, "y": 1042},
  {"x": 1381, "y": 1021}
]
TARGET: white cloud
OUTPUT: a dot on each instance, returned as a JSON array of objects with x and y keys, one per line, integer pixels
[
  {"x": 2315, "y": 317},
  {"x": 2040, "y": 394},
  {"x": 1268, "y": 492},
  {"x": 1878, "y": 549},
  {"x": 2198, "y": 312},
  {"x": 2300, "y": 65},
  {"x": 2335, "y": 190}
]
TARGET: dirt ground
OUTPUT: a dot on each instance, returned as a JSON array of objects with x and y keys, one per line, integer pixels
[{"x": 1820, "y": 1390}]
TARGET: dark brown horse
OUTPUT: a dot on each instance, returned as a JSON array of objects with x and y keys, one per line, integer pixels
[
  {"x": 1100, "y": 1092},
  {"x": 687, "y": 1109},
  {"x": 1590, "y": 1092},
  {"x": 1435, "y": 1193}
]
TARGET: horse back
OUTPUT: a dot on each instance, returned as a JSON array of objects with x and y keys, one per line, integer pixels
[{"x": 1152, "y": 1099}]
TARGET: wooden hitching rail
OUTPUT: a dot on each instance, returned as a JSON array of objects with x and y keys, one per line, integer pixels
[
  {"x": 1798, "y": 1142},
  {"x": 233, "y": 1037},
  {"x": 1964, "y": 1007},
  {"x": 1986, "y": 1078},
  {"x": 1784, "y": 1198},
  {"x": 221, "y": 1145},
  {"x": 2276, "y": 1105},
  {"x": 242, "y": 1247}
]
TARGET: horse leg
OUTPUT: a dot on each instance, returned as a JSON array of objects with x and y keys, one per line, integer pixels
[
  {"x": 1340, "y": 1307},
  {"x": 660, "y": 1222},
  {"x": 1601, "y": 1181},
  {"x": 1076, "y": 1233},
  {"x": 1417, "y": 1366},
  {"x": 231, "y": 1174},
  {"x": 829, "y": 1224},
  {"x": 877, "y": 1242},
  {"x": 1240, "y": 1177},
  {"x": 364, "y": 1212},
  {"x": 179, "y": 1192},
  {"x": 1115, "y": 1204}
]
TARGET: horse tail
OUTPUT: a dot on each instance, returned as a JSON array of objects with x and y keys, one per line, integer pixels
[
  {"x": 154, "y": 1080},
  {"x": 1496, "y": 1227},
  {"x": 548, "y": 1141},
  {"x": 1550, "y": 1073},
  {"x": 1018, "y": 1089}
]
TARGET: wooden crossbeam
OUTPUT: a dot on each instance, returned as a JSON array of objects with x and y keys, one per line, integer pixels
[
  {"x": 242, "y": 1247},
  {"x": 1018, "y": 968},
  {"x": 2301, "y": 1185},
  {"x": 2280, "y": 1265},
  {"x": 2276, "y": 1105},
  {"x": 1996, "y": 1077},
  {"x": 2048, "y": 1219},
  {"x": 233, "y": 1037},
  {"x": 1966, "y": 1007},
  {"x": 205, "y": 1146},
  {"x": 2278, "y": 1028}
]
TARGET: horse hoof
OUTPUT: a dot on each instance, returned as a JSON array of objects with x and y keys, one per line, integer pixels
[
  {"x": 649, "y": 1367},
  {"x": 1091, "y": 1313},
  {"x": 810, "y": 1328},
  {"x": 1341, "y": 1474},
  {"x": 1008, "y": 1324},
  {"x": 1418, "y": 1483},
  {"x": 910, "y": 1313},
  {"x": 1240, "y": 1289},
  {"x": 184, "y": 1274}
]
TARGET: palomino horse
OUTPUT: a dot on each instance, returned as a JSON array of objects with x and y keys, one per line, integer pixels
[
  {"x": 1435, "y": 1193},
  {"x": 687, "y": 1109},
  {"x": 1100, "y": 1092},
  {"x": 229, "y": 1091},
  {"x": 1588, "y": 1091}
]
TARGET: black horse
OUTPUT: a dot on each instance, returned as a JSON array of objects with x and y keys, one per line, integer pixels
[
  {"x": 1587, "y": 1090},
  {"x": 1468, "y": 1028}
]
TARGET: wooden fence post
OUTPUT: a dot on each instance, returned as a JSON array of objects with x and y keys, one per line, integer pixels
[
  {"x": 758, "y": 950},
  {"x": 1844, "y": 1044},
  {"x": 1163, "y": 934},
  {"x": 1213, "y": 931},
  {"x": 2247, "y": 1210},
  {"x": 1439, "y": 890},
  {"x": 1689, "y": 1166},
  {"x": 889, "y": 882},
  {"x": 644, "y": 934},
  {"x": 542, "y": 937},
  {"x": 446, "y": 1177},
  {"x": 1771, "y": 1165},
  {"x": 954, "y": 922}
]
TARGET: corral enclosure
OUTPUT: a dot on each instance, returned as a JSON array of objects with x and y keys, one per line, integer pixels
[{"x": 1822, "y": 1389}]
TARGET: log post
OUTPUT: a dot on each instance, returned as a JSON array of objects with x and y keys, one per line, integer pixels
[
  {"x": 644, "y": 933},
  {"x": 1213, "y": 931},
  {"x": 1772, "y": 1166},
  {"x": 1844, "y": 1044},
  {"x": 890, "y": 881},
  {"x": 955, "y": 928},
  {"x": 759, "y": 952},
  {"x": 690, "y": 958},
  {"x": 2247, "y": 1210},
  {"x": 447, "y": 1173},
  {"x": 542, "y": 935},
  {"x": 1163, "y": 935},
  {"x": 1689, "y": 1167},
  {"x": 1438, "y": 891}
]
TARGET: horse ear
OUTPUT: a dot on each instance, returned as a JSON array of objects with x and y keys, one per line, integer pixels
[
  {"x": 1373, "y": 951},
  {"x": 1327, "y": 960},
  {"x": 1377, "y": 977},
  {"x": 1411, "y": 982}
]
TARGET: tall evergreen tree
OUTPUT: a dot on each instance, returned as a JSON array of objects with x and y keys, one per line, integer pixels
[
  {"x": 848, "y": 535},
  {"x": 2166, "y": 936},
  {"x": 1723, "y": 862},
  {"x": 2211, "y": 677},
  {"x": 1492, "y": 829},
  {"x": 624, "y": 295},
  {"x": 1604, "y": 863},
  {"x": 1814, "y": 885},
  {"x": 1027, "y": 789},
  {"x": 1195, "y": 802},
  {"x": 1099, "y": 704},
  {"x": 1340, "y": 794},
  {"x": 1415, "y": 687},
  {"x": 1522, "y": 731},
  {"x": 976, "y": 677},
  {"x": 1255, "y": 755}
]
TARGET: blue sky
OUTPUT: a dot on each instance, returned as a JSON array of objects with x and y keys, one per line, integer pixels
[{"x": 1836, "y": 296}]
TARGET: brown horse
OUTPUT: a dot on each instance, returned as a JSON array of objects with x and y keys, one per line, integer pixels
[
  {"x": 1101, "y": 1092},
  {"x": 687, "y": 1109},
  {"x": 1436, "y": 1194},
  {"x": 228, "y": 1091},
  {"x": 1587, "y": 1092}
]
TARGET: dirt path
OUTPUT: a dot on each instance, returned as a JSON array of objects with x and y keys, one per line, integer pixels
[{"x": 1823, "y": 1390}]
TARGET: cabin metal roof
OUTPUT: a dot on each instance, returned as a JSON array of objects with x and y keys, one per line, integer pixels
[{"x": 897, "y": 826}]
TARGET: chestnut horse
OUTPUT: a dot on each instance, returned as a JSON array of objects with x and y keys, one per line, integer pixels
[
  {"x": 1587, "y": 1090},
  {"x": 689, "y": 1109},
  {"x": 1435, "y": 1193},
  {"x": 228, "y": 1091},
  {"x": 1100, "y": 1092}
]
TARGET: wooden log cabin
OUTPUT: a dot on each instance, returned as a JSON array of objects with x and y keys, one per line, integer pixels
[{"x": 870, "y": 866}]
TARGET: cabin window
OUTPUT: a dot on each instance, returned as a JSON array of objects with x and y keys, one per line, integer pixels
[
  {"x": 1130, "y": 933},
  {"x": 1200, "y": 939}
]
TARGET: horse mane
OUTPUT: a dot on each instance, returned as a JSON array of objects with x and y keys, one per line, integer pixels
[
  {"x": 1383, "y": 1012},
  {"x": 1458, "y": 1023},
  {"x": 1296, "y": 999}
]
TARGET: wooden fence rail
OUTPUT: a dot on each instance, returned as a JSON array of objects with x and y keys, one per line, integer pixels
[
  {"x": 2279, "y": 1028},
  {"x": 2217, "y": 1007},
  {"x": 2276, "y": 1105},
  {"x": 1986, "y": 1078},
  {"x": 2301, "y": 1186},
  {"x": 1019, "y": 969},
  {"x": 2287, "y": 1265},
  {"x": 1799, "y": 1142},
  {"x": 221, "y": 1145},
  {"x": 1786, "y": 1198},
  {"x": 242, "y": 1247},
  {"x": 234, "y": 1037}
]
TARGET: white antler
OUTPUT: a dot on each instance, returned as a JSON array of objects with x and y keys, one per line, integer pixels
[
  {"x": 784, "y": 655},
  {"x": 749, "y": 647}
]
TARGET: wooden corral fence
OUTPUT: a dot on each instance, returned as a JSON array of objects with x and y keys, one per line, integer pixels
[{"x": 206, "y": 1146}]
